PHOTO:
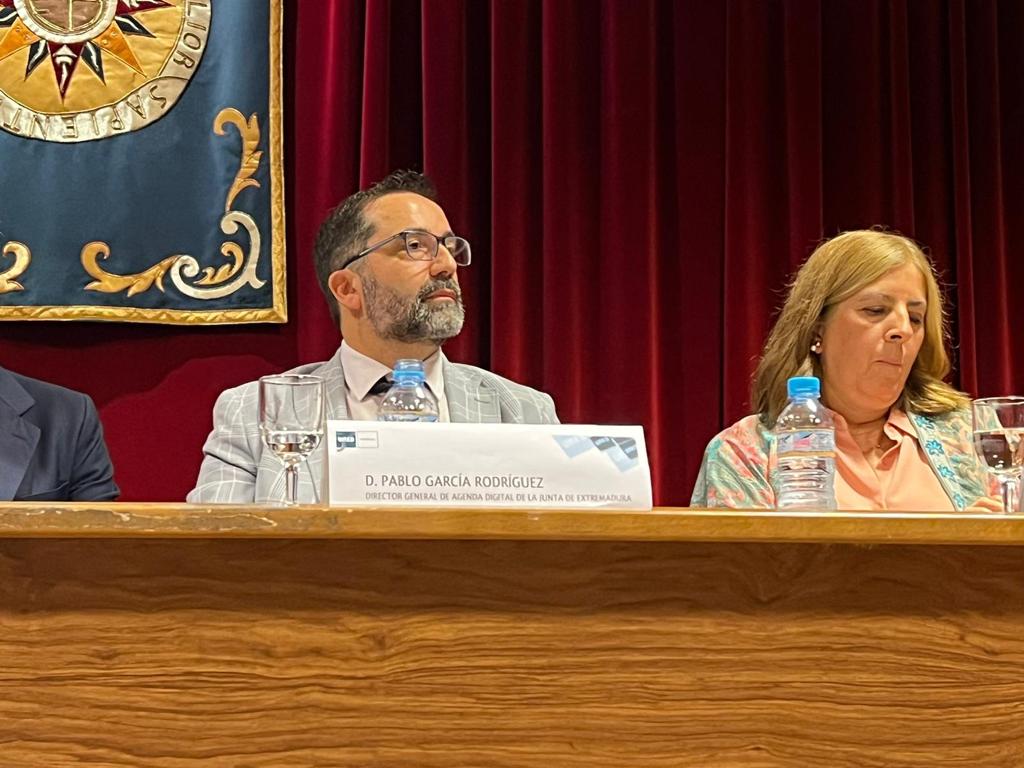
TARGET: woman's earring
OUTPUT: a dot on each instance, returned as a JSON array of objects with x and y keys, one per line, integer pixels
[{"x": 816, "y": 347}]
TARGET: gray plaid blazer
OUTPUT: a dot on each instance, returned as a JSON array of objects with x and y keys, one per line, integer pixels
[{"x": 237, "y": 469}]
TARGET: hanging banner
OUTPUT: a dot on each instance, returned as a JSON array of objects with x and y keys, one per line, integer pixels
[{"x": 140, "y": 161}]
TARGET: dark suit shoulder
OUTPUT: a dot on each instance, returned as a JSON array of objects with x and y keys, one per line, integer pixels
[
  {"x": 49, "y": 396},
  {"x": 70, "y": 460},
  {"x": 56, "y": 410}
]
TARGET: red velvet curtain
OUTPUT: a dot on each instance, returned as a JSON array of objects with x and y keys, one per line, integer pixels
[{"x": 638, "y": 180}]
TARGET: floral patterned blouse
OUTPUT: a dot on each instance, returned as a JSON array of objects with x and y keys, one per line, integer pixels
[{"x": 737, "y": 463}]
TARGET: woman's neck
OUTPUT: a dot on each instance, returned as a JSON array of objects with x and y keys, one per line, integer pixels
[{"x": 869, "y": 434}]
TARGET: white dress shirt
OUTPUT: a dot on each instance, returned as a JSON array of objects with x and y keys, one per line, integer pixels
[{"x": 362, "y": 372}]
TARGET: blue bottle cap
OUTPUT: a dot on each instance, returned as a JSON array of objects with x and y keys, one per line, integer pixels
[
  {"x": 804, "y": 386},
  {"x": 409, "y": 370}
]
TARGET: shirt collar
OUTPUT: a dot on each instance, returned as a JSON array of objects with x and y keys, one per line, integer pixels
[
  {"x": 362, "y": 372},
  {"x": 897, "y": 424}
]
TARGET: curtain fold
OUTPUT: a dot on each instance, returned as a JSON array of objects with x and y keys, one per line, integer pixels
[
  {"x": 991, "y": 265},
  {"x": 638, "y": 181}
]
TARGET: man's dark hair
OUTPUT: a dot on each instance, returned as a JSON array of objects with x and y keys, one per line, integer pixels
[{"x": 346, "y": 231}]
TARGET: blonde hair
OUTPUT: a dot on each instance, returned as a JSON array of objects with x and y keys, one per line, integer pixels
[{"x": 838, "y": 269}]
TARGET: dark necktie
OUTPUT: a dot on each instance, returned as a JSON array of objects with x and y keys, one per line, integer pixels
[{"x": 382, "y": 385}]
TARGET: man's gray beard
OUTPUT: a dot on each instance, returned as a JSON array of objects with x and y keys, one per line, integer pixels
[{"x": 413, "y": 319}]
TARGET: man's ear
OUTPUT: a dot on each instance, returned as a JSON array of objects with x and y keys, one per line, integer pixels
[{"x": 347, "y": 288}]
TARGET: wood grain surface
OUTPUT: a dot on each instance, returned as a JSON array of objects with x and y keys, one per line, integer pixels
[
  {"x": 110, "y": 520},
  {"x": 182, "y": 653}
]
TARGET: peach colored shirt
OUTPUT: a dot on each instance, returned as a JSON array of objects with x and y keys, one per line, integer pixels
[{"x": 901, "y": 478}]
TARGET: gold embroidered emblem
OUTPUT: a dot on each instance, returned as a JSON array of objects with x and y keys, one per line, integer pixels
[
  {"x": 78, "y": 70},
  {"x": 241, "y": 271},
  {"x": 22, "y": 256}
]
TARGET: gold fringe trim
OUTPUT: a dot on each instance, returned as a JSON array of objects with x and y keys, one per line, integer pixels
[
  {"x": 279, "y": 279},
  {"x": 137, "y": 315}
]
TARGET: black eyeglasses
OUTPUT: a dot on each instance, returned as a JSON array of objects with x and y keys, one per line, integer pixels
[{"x": 422, "y": 246}]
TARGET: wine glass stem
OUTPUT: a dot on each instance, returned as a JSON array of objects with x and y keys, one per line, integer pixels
[
  {"x": 1010, "y": 486},
  {"x": 291, "y": 483}
]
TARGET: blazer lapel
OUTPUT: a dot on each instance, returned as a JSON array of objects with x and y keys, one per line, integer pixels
[
  {"x": 331, "y": 372},
  {"x": 335, "y": 407},
  {"x": 470, "y": 398},
  {"x": 18, "y": 438}
]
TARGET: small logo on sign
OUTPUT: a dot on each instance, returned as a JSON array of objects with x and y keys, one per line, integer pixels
[{"x": 367, "y": 440}]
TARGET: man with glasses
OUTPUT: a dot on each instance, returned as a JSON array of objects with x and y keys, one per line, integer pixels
[{"x": 387, "y": 262}]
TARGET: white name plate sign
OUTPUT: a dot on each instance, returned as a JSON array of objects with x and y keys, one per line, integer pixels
[{"x": 487, "y": 465}]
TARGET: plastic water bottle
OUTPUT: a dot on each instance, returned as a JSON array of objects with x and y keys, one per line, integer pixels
[
  {"x": 409, "y": 399},
  {"x": 805, "y": 439}
]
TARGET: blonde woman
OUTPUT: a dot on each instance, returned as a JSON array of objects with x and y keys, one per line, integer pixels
[{"x": 865, "y": 316}]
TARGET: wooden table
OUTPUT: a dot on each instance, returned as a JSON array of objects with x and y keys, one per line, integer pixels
[{"x": 180, "y": 636}]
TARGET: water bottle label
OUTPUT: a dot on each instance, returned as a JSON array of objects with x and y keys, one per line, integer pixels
[
  {"x": 429, "y": 417},
  {"x": 821, "y": 442}
]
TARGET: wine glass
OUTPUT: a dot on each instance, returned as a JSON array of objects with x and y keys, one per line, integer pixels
[
  {"x": 291, "y": 422},
  {"x": 999, "y": 441}
]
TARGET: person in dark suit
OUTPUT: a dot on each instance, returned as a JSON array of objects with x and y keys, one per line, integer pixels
[{"x": 51, "y": 444}]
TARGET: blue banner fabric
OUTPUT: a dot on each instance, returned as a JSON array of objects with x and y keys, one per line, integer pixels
[{"x": 140, "y": 161}]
